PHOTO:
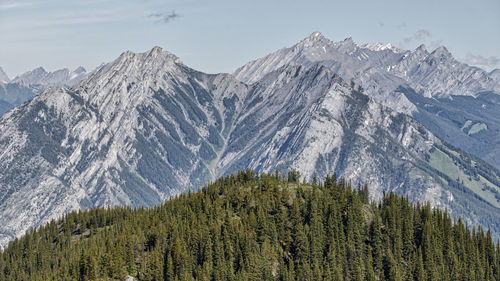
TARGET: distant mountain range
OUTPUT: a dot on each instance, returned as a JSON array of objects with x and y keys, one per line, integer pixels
[
  {"x": 61, "y": 77},
  {"x": 457, "y": 102},
  {"x": 145, "y": 127},
  {"x": 27, "y": 85}
]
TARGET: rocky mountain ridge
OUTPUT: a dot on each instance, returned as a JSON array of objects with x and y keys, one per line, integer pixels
[
  {"x": 145, "y": 127},
  {"x": 390, "y": 76}
]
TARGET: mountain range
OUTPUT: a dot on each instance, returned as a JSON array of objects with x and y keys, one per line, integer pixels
[
  {"x": 32, "y": 83},
  {"x": 393, "y": 76},
  {"x": 145, "y": 127}
]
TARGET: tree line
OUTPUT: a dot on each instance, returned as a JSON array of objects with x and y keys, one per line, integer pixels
[{"x": 258, "y": 227}]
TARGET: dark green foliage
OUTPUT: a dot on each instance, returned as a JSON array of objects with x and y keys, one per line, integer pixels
[{"x": 257, "y": 227}]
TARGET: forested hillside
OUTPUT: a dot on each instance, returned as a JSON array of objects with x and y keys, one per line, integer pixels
[{"x": 258, "y": 227}]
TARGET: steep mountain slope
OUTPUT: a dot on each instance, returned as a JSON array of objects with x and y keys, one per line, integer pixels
[
  {"x": 477, "y": 118},
  {"x": 142, "y": 128},
  {"x": 383, "y": 70},
  {"x": 311, "y": 120},
  {"x": 145, "y": 127}
]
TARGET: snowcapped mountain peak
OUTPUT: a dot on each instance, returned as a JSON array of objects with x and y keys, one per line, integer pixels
[
  {"x": 377, "y": 47},
  {"x": 316, "y": 34}
]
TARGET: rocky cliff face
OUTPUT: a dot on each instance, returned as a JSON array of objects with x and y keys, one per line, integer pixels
[{"x": 145, "y": 127}]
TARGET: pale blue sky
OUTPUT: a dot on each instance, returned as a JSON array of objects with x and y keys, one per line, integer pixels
[{"x": 220, "y": 35}]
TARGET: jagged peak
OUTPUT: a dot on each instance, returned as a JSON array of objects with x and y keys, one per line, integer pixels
[
  {"x": 441, "y": 51},
  {"x": 28, "y": 75},
  {"x": 316, "y": 35},
  {"x": 156, "y": 49},
  {"x": 314, "y": 39},
  {"x": 378, "y": 46},
  {"x": 153, "y": 63},
  {"x": 79, "y": 70},
  {"x": 349, "y": 40},
  {"x": 421, "y": 48},
  {"x": 38, "y": 70},
  {"x": 420, "y": 51},
  {"x": 346, "y": 46},
  {"x": 346, "y": 42},
  {"x": 156, "y": 53}
]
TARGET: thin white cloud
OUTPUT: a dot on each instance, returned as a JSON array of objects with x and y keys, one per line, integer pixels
[
  {"x": 64, "y": 18},
  {"x": 487, "y": 63},
  {"x": 16, "y": 5},
  {"x": 77, "y": 20},
  {"x": 419, "y": 36},
  {"x": 422, "y": 34},
  {"x": 436, "y": 43}
]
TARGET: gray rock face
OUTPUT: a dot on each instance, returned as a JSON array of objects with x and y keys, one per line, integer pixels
[
  {"x": 382, "y": 70},
  {"x": 145, "y": 127},
  {"x": 141, "y": 129}
]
